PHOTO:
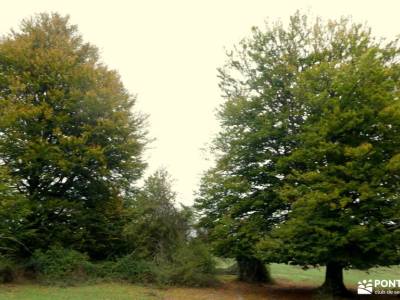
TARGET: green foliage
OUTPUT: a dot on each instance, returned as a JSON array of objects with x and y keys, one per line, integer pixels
[
  {"x": 159, "y": 235},
  {"x": 226, "y": 266},
  {"x": 233, "y": 269},
  {"x": 133, "y": 269},
  {"x": 237, "y": 200},
  {"x": 14, "y": 209},
  {"x": 307, "y": 158},
  {"x": 155, "y": 226},
  {"x": 342, "y": 179},
  {"x": 68, "y": 134},
  {"x": 192, "y": 265},
  {"x": 8, "y": 270},
  {"x": 61, "y": 266}
]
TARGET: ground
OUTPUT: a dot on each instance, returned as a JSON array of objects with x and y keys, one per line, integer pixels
[{"x": 291, "y": 283}]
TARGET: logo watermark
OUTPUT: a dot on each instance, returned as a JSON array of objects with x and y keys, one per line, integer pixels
[
  {"x": 379, "y": 287},
  {"x": 365, "y": 287}
]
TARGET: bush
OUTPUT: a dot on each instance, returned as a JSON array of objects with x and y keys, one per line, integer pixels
[
  {"x": 61, "y": 266},
  {"x": 101, "y": 270},
  {"x": 135, "y": 269},
  {"x": 192, "y": 265},
  {"x": 7, "y": 270}
]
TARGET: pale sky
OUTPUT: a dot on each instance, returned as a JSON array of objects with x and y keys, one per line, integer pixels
[{"x": 167, "y": 53}]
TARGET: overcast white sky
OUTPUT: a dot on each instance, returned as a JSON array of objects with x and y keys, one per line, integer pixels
[{"x": 167, "y": 53}]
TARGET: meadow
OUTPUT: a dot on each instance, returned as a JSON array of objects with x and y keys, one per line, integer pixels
[{"x": 290, "y": 282}]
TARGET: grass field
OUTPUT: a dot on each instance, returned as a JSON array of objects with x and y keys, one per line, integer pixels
[
  {"x": 97, "y": 291},
  {"x": 291, "y": 283},
  {"x": 316, "y": 276}
]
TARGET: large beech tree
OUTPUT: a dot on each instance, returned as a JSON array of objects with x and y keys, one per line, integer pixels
[
  {"x": 307, "y": 158},
  {"x": 68, "y": 133},
  {"x": 342, "y": 181}
]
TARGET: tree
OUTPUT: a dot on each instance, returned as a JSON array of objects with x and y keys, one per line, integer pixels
[
  {"x": 342, "y": 178},
  {"x": 68, "y": 133},
  {"x": 237, "y": 199},
  {"x": 307, "y": 154},
  {"x": 156, "y": 227}
]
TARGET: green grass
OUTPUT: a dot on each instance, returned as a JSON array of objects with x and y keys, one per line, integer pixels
[
  {"x": 104, "y": 291},
  {"x": 124, "y": 291},
  {"x": 315, "y": 276}
]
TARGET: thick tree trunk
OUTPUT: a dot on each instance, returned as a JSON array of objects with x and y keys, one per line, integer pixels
[
  {"x": 252, "y": 270},
  {"x": 333, "y": 284}
]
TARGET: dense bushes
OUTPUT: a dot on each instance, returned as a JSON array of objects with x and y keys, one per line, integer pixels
[
  {"x": 159, "y": 248},
  {"x": 133, "y": 269},
  {"x": 191, "y": 264},
  {"x": 7, "y": 270},
  {"x": 59, "y": 265}
]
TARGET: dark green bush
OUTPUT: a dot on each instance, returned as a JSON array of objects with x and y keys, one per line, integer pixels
[
  {"x": 61, "y": 266},
  {"x": 134, "y": 269},
  {"x": 7, "y": 270},
  {"x": 192, "y": 265},
  {"x": 101, "y": 270}
]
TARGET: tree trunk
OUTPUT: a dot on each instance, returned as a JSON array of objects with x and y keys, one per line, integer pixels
[
  {"x": 333, "y": 284},
  {"x": 252, "y": 270}
]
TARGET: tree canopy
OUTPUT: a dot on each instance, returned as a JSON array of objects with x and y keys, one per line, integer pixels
[
  {"x": 307, "y": 160},
  {"x": 342, "y": 178},
  {"x": 156, "y": 227},
  {"x": 307, "y": 155},
  {"x": 68, "y": 133}
]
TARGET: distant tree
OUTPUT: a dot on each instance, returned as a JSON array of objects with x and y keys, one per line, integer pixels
[
  {"x": 67, "y": 131},
  {"x": 156, "y": 227}
]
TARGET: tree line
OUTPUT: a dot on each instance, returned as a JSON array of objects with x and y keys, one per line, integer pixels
[
  {"x": 71, "y": 156},
  {"x": 307, "y": 160}
]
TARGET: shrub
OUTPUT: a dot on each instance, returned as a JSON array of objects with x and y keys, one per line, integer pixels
[
  {"x": 61, "y": 266},
  {"x": 101, "y": 270},
  {"x": 7, "y": 270},
  {"x": 134, "y": 269},
  {"x": 192, "y": 265}
]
